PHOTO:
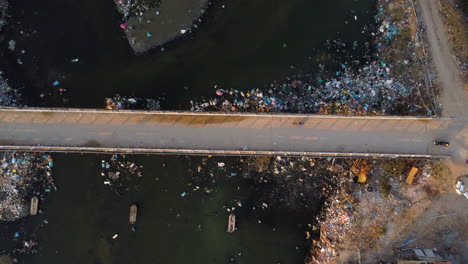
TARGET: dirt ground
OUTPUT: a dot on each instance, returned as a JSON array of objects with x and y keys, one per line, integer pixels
[{"x": 446, "y": 235}]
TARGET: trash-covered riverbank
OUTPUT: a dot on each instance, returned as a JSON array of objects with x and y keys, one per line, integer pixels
[
  {"x": 123, "y": 102},
  {"x": 394, "y": 80},
  {"x": 288, "y": 182},
  {"x": 8, "y": 95},
  {"x": 368, "y": 199},
  {"x": 23, "y": 176}
]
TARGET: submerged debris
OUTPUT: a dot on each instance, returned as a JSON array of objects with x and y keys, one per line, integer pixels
[{"x": 120, "y": 173}]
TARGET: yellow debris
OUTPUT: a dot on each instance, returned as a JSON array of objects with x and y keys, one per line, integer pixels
[
  {"x": 409, "y": 179},
  {"x": 362, "y": 178}
]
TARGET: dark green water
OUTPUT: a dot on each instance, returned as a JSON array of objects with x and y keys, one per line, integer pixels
[
  {"x": 84, "y": 215},
  {"x": 245, "y": 45}
]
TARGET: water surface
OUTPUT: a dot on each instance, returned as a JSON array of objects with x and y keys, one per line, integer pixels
[
  {"x": 245, "y": 45},
  {"x": 84, "y": 214}
]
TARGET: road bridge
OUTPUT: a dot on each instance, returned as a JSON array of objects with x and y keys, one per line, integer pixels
[{"x": 191, "y": 133}]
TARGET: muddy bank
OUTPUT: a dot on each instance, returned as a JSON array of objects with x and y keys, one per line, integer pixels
[{"x": 159, "y": 25}]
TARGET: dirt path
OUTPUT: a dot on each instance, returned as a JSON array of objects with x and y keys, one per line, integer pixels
[{"x": 454, "y": 98}]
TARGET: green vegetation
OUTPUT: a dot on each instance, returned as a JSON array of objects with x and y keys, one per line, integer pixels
[
  {"x": 385, "y": 187},
  {"x": 395, "y": 168}
]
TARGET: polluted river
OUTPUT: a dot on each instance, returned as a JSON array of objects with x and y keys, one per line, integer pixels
[{"x": 183, "y": 202}]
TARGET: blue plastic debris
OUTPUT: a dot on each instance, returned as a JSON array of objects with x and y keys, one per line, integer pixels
[
  {"x": 148, "y": 34},
  {"x": 55, "y": 83},
  {"x": 75, "y": 60},
  {"x": 16, "y": 234},
  {"x": 183, "y": 194}
]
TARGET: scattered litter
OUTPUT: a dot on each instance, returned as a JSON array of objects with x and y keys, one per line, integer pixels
[
  {"x": 459, "y": 187},
  {"x": 11, "y": 45},
  {"x": 120, "y": 173},
  {"x": 442, "y": 215},
  {"x": 408, "y": 240}
]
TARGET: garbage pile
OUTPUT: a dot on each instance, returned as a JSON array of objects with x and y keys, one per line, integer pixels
[
  {"x": 23, "y": 176},
  {"x": 280, "y": 182},
  {"x": 121, "y": 174},
  {"x": 371, "y": 90},
  {"x": 135, "y": 7},
  {"x": 399, "y": 41},
  {"x": 368, "y": 202},
  {"x": 460, "y": 188},
  {"x": 333, "y": 230},
  {"x": 123, "y": 102},
  {"x": 8, "y": 95},
  {"x": 292, "y": 182}
]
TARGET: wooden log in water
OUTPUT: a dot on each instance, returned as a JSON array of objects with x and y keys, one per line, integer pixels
[
  {"x": 34, "y": 205},
  {"x": 231, "y": 223},
  {"x": 133, "y": 214}
]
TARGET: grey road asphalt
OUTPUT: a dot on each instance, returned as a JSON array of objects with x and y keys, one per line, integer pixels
[{"x": 233, "y": 132}]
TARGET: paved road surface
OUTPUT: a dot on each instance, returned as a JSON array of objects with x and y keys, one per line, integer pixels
[{"x": 188, "y": 131}]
